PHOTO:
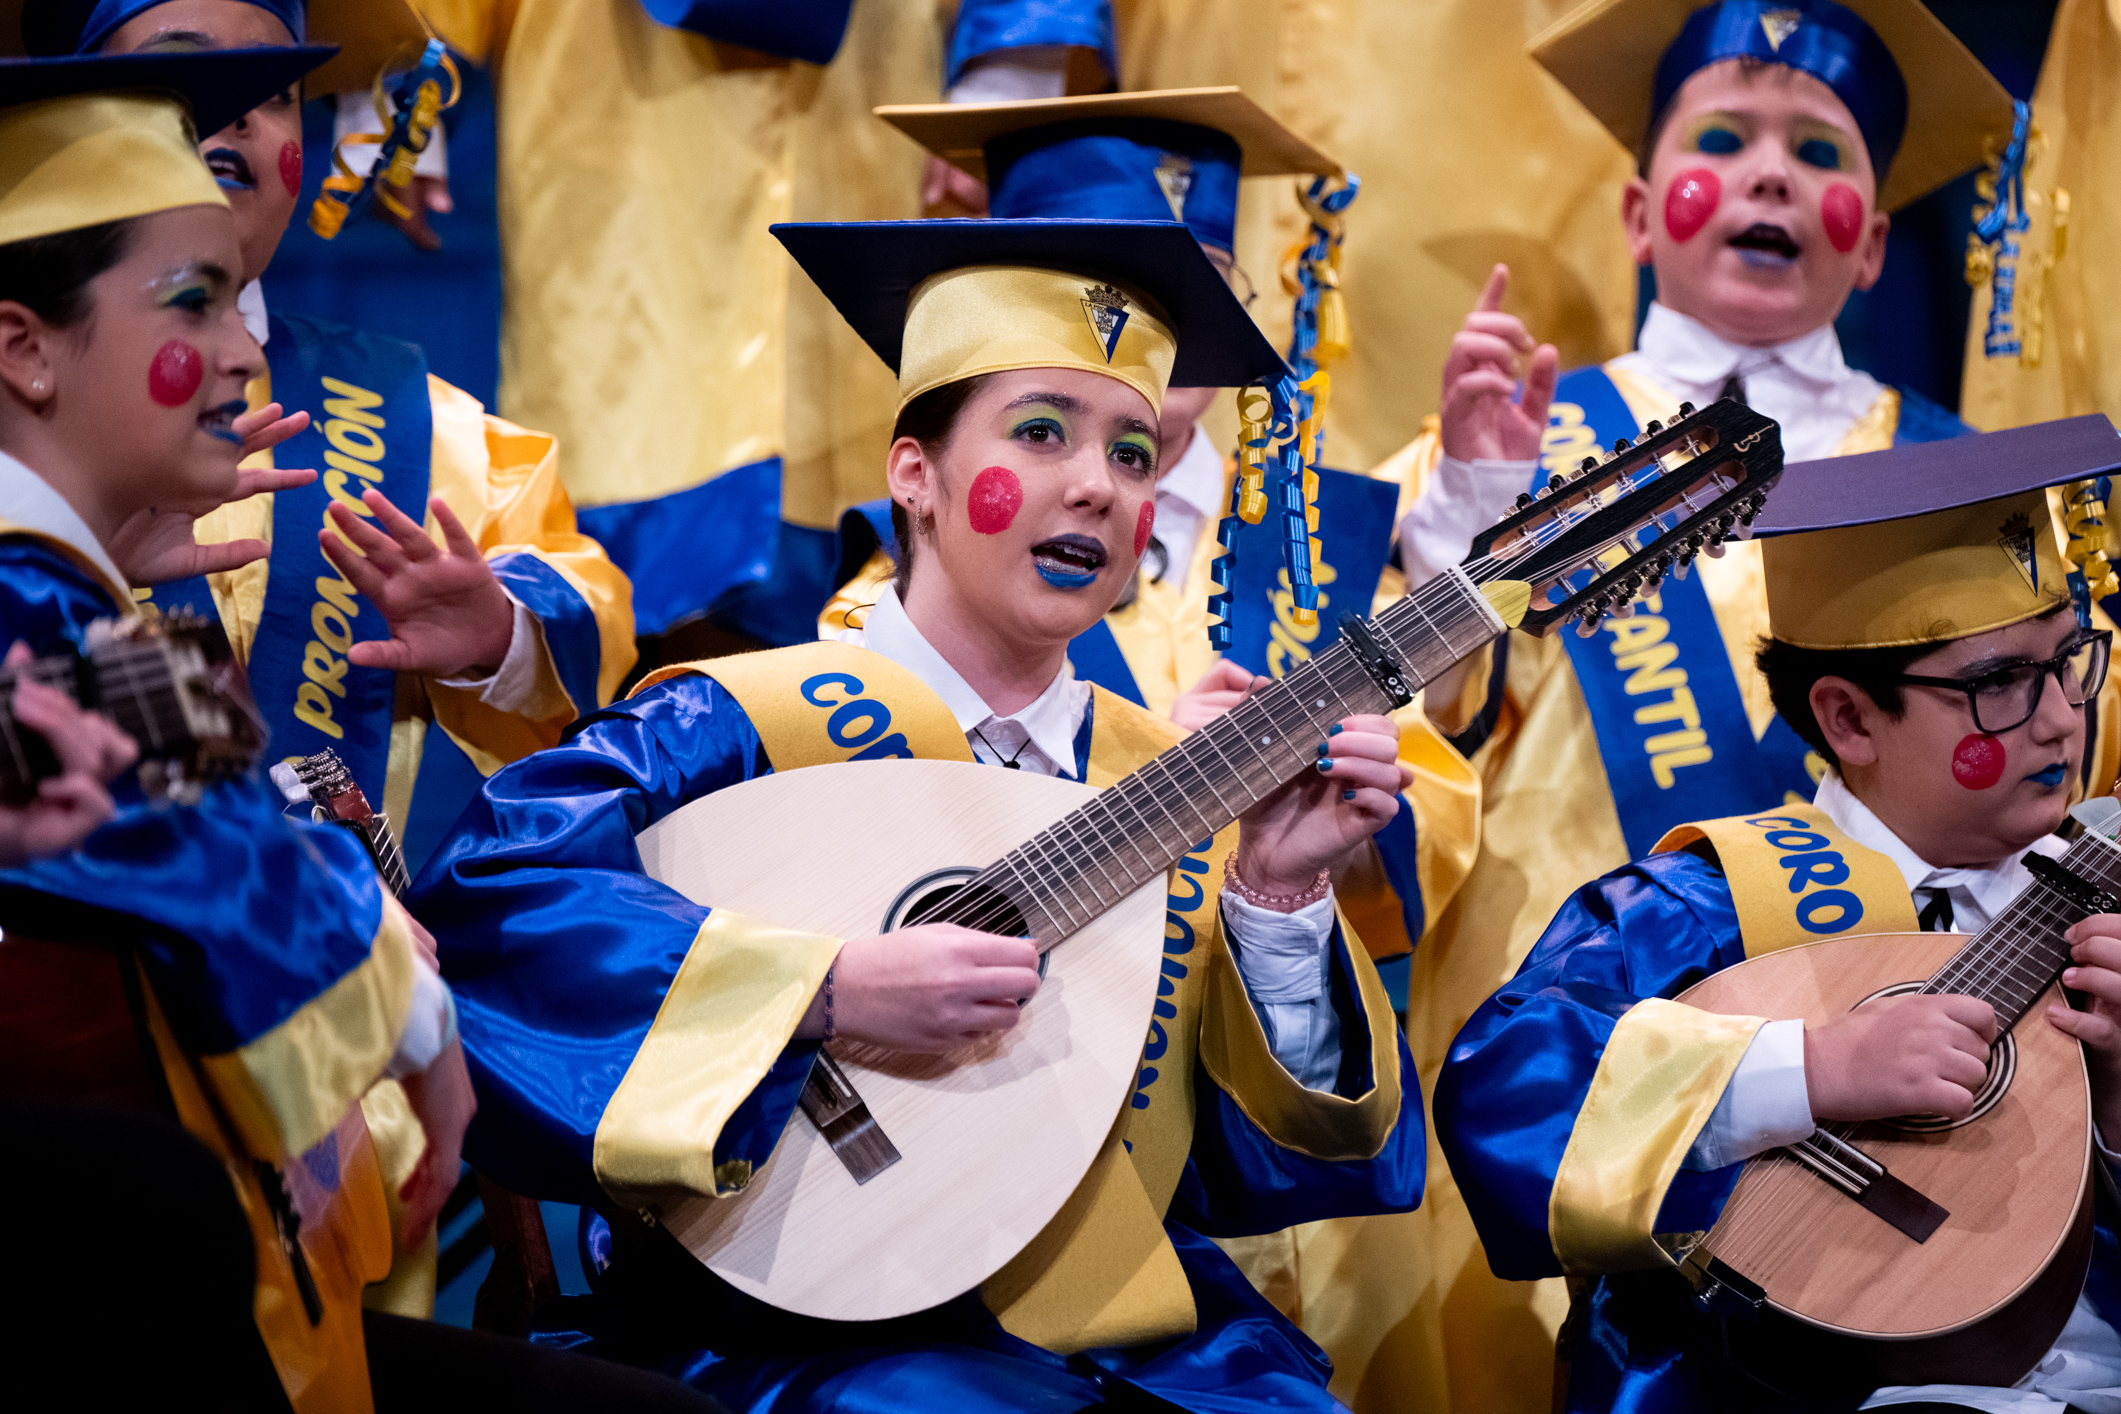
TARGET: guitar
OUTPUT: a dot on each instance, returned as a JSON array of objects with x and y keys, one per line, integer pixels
[
  {"x": 926, "y": 1174},
  {"x": 170, "y": 684},
  {"x": 329, "y": 787},
  {"x": 1921, "y": 1250}
]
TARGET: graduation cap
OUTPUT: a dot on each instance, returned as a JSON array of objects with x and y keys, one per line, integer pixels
[
  {"x": 1928, "y": 541},
  {"x": 89, "y": 140},
  {"x": 55, "y": 27},
  {"x": 368, "y": 33},
  {"x": 1927, "y": 108},
  {"x": 1173, "y": 154},
  {"x": 941, "y": 301}
]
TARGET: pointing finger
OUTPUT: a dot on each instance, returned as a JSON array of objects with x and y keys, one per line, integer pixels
[{"x": 1491, "y": 294}]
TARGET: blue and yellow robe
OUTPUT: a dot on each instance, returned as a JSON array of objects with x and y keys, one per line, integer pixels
[
  {"x": 272, "y": 1000},
  {"x": 1564, "y": 1178},
  {"x": 573, "y": 969}
]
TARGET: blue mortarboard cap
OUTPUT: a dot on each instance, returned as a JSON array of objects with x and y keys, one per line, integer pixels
[
  {"x": 869, "y": 270},
  {"x": 1174, "y": 154},
  {"x": 220, "y": 85},
  {"x": 54, "y": 27}
]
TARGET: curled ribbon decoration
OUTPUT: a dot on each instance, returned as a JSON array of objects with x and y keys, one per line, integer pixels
[
  {"x": 2092, "y": 545},
  {"x": 409, "y": 109},
  {"x": 1288, "y": 415},
  {"x": 1998, "y": 256}
]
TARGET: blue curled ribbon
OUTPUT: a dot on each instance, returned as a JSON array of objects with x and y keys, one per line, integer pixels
[{"x": 2010, "y": 179}]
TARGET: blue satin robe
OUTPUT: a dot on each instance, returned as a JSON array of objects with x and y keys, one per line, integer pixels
[
  {"x": 559, "y": 951},
  {"x": 1508, "y": 1096},
  {"x": 241, "y": 915}
]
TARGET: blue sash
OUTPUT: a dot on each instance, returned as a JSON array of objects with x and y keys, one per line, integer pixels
[
  {"x": 1671, "y": 721},
  {"x": 370, "y": 425},
  {"x": 1355, "y": 535}
]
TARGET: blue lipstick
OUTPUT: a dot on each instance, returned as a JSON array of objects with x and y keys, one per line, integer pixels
[
  {"x": 2048, "y": 777},
  {"x": 1069, "y": 561},
  {"x": 220, "y": 422},
  {"x": 231, "y": 170}
]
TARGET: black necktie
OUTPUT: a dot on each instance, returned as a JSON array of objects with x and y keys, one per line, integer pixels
[
  {"x": 1734, "y": 387},
  {"x": 1936, "y": 915}
]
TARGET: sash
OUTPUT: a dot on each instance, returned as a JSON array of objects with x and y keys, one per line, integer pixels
[
  {"x": 1096, "y": 657},
  {"x": 370, "y": 425},
  {"x": 1354, "y": 528},
  {"x": 1671, "y": 721},
  {"x": 1796, "y": 878}
]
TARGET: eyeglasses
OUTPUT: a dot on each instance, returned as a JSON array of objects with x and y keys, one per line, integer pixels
[{"x": 2008, "y": 697}]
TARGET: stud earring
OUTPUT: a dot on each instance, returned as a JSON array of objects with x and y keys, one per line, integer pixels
[{"x": 37, "y": 386}]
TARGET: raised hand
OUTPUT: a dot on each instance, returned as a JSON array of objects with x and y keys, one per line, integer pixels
[
  {"x": 447, "y": 613},
  {"x": 1317, "y": 820},
  {"x": 933, "y": 987},
  {"x": 1918, "y": 1055},
  {"x": 67, "y": 807},
  {"x": 1483, "y": 417},
  {"x": 160, "y": 544}
]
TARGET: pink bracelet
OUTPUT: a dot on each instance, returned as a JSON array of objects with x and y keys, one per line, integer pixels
[{"x": 1234, "y": 881}]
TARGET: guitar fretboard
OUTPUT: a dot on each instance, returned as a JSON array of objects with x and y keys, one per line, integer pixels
[
  {"x": 131, "y": 683},
  {"x": 1070, "y": 873},
  {"x": 2021, "y": 952}
]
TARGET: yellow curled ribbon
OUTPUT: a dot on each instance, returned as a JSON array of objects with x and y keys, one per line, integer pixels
[
  {"x": 2092, "y": 546},
  {"x": 409, "y": 130},
  {"x": 1254, "y": 411}
]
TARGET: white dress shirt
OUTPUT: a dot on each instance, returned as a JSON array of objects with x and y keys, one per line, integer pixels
[
  {"x": 1804, "y": 385},
  {"x": 1189, "y": 498},
  {"x": 1014, "y": 75},
  {"x": 356, "y": 113},
  {"x": 514, "y": 684},
  {"x": 1285, "y": 958},
  {"x": 30, "y": 501}
]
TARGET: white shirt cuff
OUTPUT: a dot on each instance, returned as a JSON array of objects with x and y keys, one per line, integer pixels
[
  {"x": 1284, "y": 958},
  {"x": 510, "y": 687},
  {"x": 1461, "y": 500},
  {"x": 1013, "y": 75},
  {"x": 430, "y": 1023},
  {"x": 356, "y": 113},
  {"x": 1766, "y": 1105}
]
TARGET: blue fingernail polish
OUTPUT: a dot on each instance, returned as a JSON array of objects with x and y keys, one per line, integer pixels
[
  {"x": 1335, "y": 730},
  {"x": 1347, "y": 795},
  {"x": 1324, "y": 747},
  {"x": 1325, "y": 764}
]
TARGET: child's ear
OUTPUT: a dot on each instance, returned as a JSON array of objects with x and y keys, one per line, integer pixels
[
  {"x": 1635, "y": 219},
  {"x": 25, "y": 353},
  {"x": 1844, "y": 712},
  {"x": 1874, "y": 234}
]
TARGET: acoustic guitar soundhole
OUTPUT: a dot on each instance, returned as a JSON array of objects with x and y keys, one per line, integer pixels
[
  {"x": 2002, "y": 1066},
  {"x": 944, "y": 896}
]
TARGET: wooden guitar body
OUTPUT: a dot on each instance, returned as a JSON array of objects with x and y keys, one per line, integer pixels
[
  {"x": 1985, "y": 1295},
  {"x": 993, "y": 1138}
]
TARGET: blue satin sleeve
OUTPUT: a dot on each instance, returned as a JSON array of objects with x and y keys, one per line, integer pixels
[
  {"x": 560, "y": 949},
  {"x": 810, "y": 30},
  {"x": 572, "y": 635},
  {"x": 1507, "y": 1097},
  {"x": 241, "y": 914},
  {"x": 1239, "y": 1182},
  {"x": 984, "y": 26}
]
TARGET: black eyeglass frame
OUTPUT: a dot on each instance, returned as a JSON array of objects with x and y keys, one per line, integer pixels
[{"x": 2102, "y": 639}]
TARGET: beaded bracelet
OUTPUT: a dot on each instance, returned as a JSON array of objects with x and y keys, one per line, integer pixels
[
  {"x": 830, "y": 1030},
  {"x": 1234, "y": 881}
]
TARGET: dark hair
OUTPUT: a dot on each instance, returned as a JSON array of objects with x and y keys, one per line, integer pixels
[
  {"x": 929, "y": 420},
  {"x": 50, "y": 274},
  {"x": 1790, "y": 672}
]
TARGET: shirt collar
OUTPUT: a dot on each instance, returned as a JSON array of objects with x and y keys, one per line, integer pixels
[
  {"x": 1197, "y": 477},
  {"x": 1991, "y": 889},
  {"x": 33, "y": 505},
  {"x": 1691, "y": 352},
  {"x": 250, "y": 303},
  {"x": 1051, "y": 720}
]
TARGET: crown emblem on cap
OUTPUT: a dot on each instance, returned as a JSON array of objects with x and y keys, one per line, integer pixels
[
  {"x": 1174, "y": 173},
  {"x": 2015, "y": 535},
  {"x": 1106, "y": 309},
  {"x": 1780, "y": 25}
]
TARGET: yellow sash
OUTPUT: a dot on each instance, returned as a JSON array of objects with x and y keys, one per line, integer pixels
[{"x": 1795, "y": 878}]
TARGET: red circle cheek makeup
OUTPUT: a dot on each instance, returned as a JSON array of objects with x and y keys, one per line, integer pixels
[
  {"x": 995, "y": 499},
  {"x": 1143, "y": 524},
  {"x": 291, "y": 167},
  {"x": 1690, "y": 201},
  {"x": 175, "y": 374},
  {"x": 1977, "y": 762},
  {"x": 1841, "y": 212}
]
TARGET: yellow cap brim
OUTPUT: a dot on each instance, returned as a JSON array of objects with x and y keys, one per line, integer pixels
[
  {"x": 69, "y": 163},
  {"x": 1606, "y": 53},
  {"x": 959, "y": 132}
]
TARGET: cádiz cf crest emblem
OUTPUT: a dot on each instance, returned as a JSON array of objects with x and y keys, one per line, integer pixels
[
  {"x": 1780, "y": 25},
  {"x": 1106, "y": 309},
  {"x": 2016, "y": 537}
]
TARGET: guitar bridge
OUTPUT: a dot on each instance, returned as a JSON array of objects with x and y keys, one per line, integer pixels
[
  {"x": 1870, "y": 1183},
  {"x": 842, "y": 1116}
]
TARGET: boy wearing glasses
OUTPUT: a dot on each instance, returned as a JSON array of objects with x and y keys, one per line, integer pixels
[{"x": 1935, "y": 661}]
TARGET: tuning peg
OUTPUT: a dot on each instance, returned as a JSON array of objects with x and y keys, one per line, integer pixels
[
  {"x": 1686, "y": 409},
  {"x": 1525, "y": 498},
  {"x": 1621, "y": 444},
  {"x": 1590, "y": 464},
  {"x": 1587, "y": 623},
  {"x": 1652, "y": 428}
]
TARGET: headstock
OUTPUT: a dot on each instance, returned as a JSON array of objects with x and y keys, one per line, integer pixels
[
  {"x": 1595, "y": 540},
  {"x": 329, "y": 788}
]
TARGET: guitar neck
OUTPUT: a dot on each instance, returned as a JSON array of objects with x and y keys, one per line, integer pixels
[
  {"x": 2021, "y": 952},
  {"x": 129, "y": 683},
  {"x": 1070, "y": 873}
]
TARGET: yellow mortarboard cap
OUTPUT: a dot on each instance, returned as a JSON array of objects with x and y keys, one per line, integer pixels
[
  {"x": 1623, "y": 59},
  {"x": 1925, "y": 542}
]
